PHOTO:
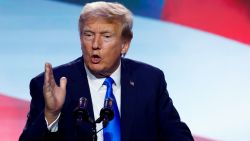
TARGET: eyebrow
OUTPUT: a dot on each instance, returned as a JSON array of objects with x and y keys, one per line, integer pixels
[
  {"x": 87, "y": 30},
  {"x": 102, "y": 32}
]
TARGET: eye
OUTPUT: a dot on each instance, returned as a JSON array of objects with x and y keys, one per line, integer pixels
[
  {"x": 107, "y": 37},
  {"x": 88, "y": 35}
]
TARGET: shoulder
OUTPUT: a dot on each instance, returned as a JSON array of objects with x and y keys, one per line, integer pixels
[
  {"x": 143, "y": 73},
  {"x": 62, "y": 70},
  {"x": 140, "y": 67}
]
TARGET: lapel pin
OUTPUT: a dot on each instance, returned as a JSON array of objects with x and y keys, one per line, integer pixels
[{"x": 132, "y": 83}]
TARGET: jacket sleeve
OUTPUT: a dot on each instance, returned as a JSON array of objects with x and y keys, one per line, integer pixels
[
  {"x": 171, "y": 127},
  {"x": 36, "y": 127}
]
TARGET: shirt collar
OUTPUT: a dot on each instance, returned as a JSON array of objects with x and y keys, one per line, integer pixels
[{"x": 116, "y": 76}]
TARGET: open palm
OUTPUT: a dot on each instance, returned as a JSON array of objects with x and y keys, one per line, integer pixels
[{"x": 54, "y": 95}]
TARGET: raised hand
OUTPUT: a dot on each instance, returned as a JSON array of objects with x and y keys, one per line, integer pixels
[{"x": 54, "y": 95}]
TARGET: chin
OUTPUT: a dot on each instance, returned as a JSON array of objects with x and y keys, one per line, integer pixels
[
  {"x": 96, "y": 67},
  {"x": 95, "y": 70}
]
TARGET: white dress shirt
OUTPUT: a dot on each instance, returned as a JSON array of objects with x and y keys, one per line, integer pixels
[{"x": 98, "y": 92}]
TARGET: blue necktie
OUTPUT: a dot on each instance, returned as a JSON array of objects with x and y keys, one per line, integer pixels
[{"x": 112, "y": 131}]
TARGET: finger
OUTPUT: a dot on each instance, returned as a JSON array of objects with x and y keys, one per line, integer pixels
[
  {"x": 46, "y": 74},
  {"x": 51, "y": 76},
  {"x": 63, "y": 82}
]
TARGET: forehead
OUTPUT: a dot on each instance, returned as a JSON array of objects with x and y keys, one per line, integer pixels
[{"x": 100, "y": 24}]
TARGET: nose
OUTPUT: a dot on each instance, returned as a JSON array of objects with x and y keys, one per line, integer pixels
[{"x": 96, "y": 42}]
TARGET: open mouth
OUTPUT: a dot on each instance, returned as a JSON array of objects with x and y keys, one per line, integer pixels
[{"x": 95, "y": 59}]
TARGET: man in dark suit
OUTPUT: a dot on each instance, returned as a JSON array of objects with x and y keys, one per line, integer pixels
[{"x": 144, "y": 108}]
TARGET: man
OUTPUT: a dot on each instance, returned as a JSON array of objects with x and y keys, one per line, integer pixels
[{"x": 142, "y": 107}]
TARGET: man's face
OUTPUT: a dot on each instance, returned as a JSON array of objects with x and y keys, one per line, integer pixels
[{"x": 102, "y": 46}]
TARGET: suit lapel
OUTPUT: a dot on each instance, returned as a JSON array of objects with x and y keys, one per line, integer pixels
[
  {"x": 128, "y": 100},
  {"x": 79, "y": 85}
]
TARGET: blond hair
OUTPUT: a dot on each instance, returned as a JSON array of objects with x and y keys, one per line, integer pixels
[{"x": 110, "y": 11}]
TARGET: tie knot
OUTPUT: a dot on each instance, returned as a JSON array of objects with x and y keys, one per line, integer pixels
[{"x": 108, "y": 82}]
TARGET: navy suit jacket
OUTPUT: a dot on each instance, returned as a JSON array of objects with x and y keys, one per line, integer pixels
[{"x": 147, "y": 111}]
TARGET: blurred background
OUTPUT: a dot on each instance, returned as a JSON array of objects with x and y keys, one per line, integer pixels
[{"x": 203, "y": 47}]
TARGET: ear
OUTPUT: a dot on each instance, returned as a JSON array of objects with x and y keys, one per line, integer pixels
[{"x": 125, "y": 46}]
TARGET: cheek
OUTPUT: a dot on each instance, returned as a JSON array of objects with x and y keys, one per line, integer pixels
[
  {"x": 85, "y": 48},
  {"x": 114, "y": 54},
  {"x": 82, "y": 48},
  {"x": 82, "y": 45},
  {"x": 117, "y": 50},
  {"x": 84, "y": 52}
]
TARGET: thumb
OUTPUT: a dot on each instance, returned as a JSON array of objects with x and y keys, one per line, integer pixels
[{"x": 63, "y": 82}]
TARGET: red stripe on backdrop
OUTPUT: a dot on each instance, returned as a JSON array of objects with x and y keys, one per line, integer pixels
[
  {"x": 229, "y": 18},
  {"x": 197, "y": 138},
  {"x": 12, "y": 117}
]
